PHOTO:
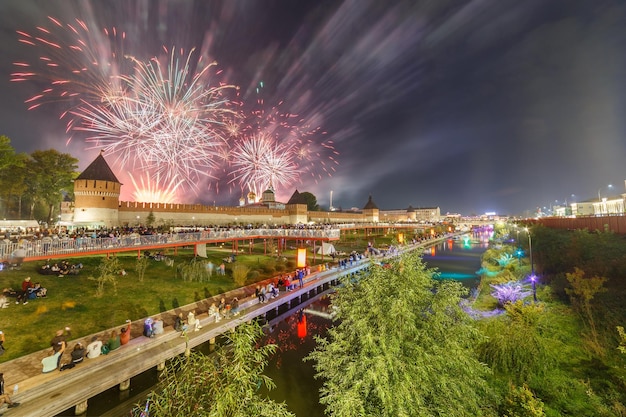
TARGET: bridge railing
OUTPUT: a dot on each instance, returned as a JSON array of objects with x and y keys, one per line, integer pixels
[{"x": 13, "y": 252}]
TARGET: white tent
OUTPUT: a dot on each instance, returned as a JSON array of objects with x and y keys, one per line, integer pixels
[{"x": 325, "y": 249}]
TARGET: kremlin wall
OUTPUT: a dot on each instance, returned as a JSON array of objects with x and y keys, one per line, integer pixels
[{"x": 97, "y": 204}]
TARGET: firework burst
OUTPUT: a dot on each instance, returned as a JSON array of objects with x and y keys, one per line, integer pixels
[
  {"x": 153, "y": 190},
  {"x": 169, "y": 120},
  {"x": 259, "y": 162}
]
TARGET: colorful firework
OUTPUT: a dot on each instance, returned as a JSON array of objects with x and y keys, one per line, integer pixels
[
  {"x": 153, "y": 190},
  {"x": 278, "y": 148},
  {"x": 75, "y": 63},
  {"x": 259, "y": 162},
  {"x": 169, "y": 121},
  {"x": 163, "y": 118}
]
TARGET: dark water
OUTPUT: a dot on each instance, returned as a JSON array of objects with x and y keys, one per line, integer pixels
[
  {"x": 294, "y": 378},
  {"x": 458, "y": 259}
]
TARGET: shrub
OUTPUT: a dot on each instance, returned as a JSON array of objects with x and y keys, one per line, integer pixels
[
  {"x": 253, "y": 275},
  {"x": 240, "y": 274}
]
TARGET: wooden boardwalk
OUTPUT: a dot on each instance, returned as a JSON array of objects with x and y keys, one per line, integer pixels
[{"x": 43, "y": 395}]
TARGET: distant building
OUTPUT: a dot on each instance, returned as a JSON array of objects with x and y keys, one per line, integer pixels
[{"x": 97, "y": 204}]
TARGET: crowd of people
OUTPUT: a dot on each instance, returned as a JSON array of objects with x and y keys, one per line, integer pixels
[{"x": 29, "y": 291}]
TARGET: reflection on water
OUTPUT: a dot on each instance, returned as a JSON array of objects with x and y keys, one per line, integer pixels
[
  {"x": 294, "y": 378},
  {"x": 459, "y": 258}
]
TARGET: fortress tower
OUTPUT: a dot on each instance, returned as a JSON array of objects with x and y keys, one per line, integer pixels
[{"x": 97, "y": 195}]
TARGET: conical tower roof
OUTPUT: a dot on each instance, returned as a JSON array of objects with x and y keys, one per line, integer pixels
[
  {"x": 296, "y": 198},
  {"x": 98, "y": 170},
  {"x": 370, "y": 204}
]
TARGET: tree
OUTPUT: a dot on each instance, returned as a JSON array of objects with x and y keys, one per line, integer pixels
[
  {"x": 225, "y": 384},
  {"x": 141, "y": 266},
  {"x": 11, "y": 173},
  {"x": 403, "y": 347},
  {"x": 150, "y": 219},
  {"x": 108, "y": 270},
  {"x": 582, "y": 291},
  {"x": 311, "y": 201},
  {"x": 54, "y": 173}
]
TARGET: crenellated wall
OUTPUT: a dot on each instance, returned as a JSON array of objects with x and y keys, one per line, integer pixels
[{"x": 134, "y": 213}]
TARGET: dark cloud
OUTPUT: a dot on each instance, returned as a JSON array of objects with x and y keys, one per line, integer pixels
[{"x": 472, "y": 106}]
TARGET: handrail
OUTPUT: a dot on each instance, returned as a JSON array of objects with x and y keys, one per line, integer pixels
[{"x": 47, "y": 246}]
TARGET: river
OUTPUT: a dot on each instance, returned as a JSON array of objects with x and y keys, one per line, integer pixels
[{"x": 294, "y": 378}]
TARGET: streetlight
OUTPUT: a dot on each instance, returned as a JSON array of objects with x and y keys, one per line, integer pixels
[
  {"x": 530, "y": 250},
  {"x": 600, "y": 197},
  {"x": 533, "y": 277}
]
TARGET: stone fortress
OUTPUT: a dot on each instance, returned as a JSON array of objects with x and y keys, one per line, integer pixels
[{"x": 97, "y": 204}]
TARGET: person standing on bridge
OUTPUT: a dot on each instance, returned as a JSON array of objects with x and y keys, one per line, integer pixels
[{"x": 5, "y": 398}]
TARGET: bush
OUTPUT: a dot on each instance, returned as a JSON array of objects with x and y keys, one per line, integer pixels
[
  {"x": 253, "y": 275},
  {"x": 240, "y": 274}
]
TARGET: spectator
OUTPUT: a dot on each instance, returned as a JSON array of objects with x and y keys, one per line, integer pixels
[
  {"x": 214, "y": 312},
  {"x": 4, "y": 302},
  {"x": 26, "y": 286},
  {"x": 148, "y": 327},
  {"x": 180, "y": 325},
  {"x": 193, "y": 322},
  {"x": 221, "y": 307},
  {"x": 59, "y": 338},
  {"x": 94, "y": 348},
  {"x": 125, "y": 335},
  {"x": 2, "y": 349},
  {"x": 235, "y": 306},
  {"x": 52, "y": 362},
  {"x": 5, "y": 398},
  {"x": 38, "y": 291},
  {"x": 157, "y": 327},
  {"x": 114, "y": 341},
  {"x": 78, "y": 354}
]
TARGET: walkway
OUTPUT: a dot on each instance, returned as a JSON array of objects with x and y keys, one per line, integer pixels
[
  {"x": 46, "y": 248},
  {"x": 43, "y": 395}
]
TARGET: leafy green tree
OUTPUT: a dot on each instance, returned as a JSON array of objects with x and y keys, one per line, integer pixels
[
  {"x": 622, "y": 337},
  {"x": 11, "y": 168},
  {"x": 521, "y": 402},
  {"x": 108, "y": 270},
  {"x": 403, "y": 347},
  {"x": 150, "y": 219},
  {"x": 581, "y": 292},
  {"x": 141, "y": 266},
  {"x": 53, "y": 173},
  {"x": 311, "y": 201},
  {"x": 515, "y": 344},
  {"x": 224, "y": 385}
]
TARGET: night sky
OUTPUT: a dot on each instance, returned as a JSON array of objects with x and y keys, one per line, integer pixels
[{"x": 472, "y": 106}]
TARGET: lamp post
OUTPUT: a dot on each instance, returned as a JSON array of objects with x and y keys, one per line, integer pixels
[
  {"x": 530, "y": 250},
  {"x": 600, "y": 197},
  {"x": 533, "y": 277}
]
